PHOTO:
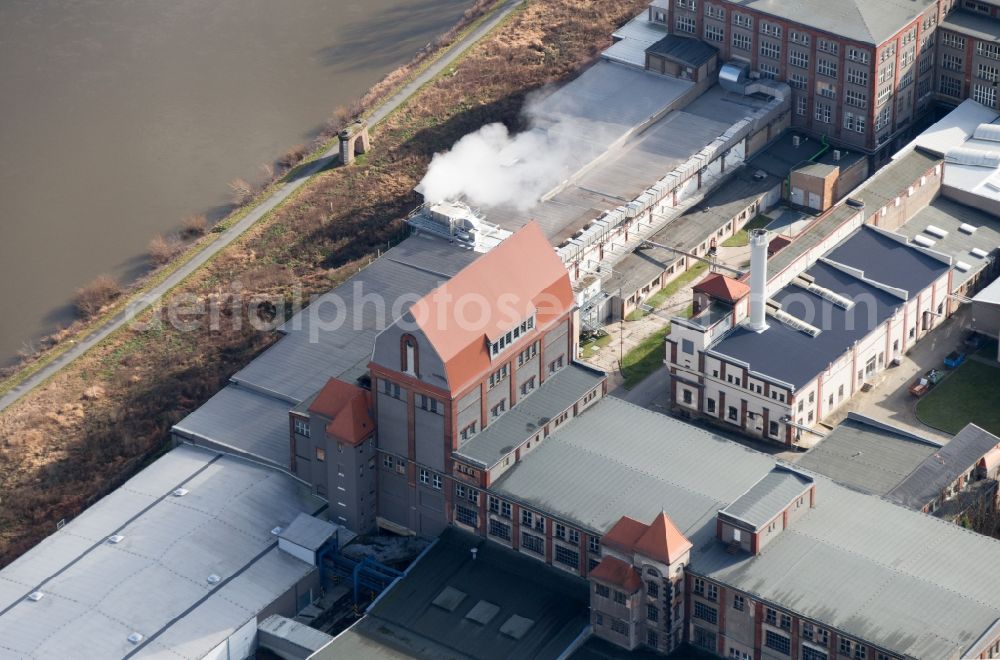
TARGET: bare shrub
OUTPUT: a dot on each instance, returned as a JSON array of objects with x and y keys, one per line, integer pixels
[
  {"x": 267, "y": 170},
  {"x": 91, "y": 299},
  {"x": 194, "y": 225},
  {"x": 163, "y": 248},
  {"x": 293, "y": 156},
  {"x": 242, "y": 191}
]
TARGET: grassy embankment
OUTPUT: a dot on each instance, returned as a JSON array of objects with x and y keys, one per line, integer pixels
[{"x": 97, "y": 421}]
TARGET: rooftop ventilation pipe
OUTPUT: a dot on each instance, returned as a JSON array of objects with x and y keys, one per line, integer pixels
[{"x": 758, "y": 279}]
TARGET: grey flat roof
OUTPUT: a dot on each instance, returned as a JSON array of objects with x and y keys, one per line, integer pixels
[
  {"x": 608, "y": 177},
  {"x": 866, "y": 21},
  {"x": 333, "y": 336},
  {"x": 298, "y": 634},
  {"x": 308, "y": 531},
  {"x": 878, "y": 191},
  {"x": 943, "y": 467},
  {"x": 155, "y": 580},
  {"x": 948, "y": 215},
  {"x": 868, "y": 456},
  {"x": 406, "y": 620},
  {"x": 910, "y": 583},
  {"x": 887, "y": 260},
  {"x": 238, "y": 420},
  {"x": 531, "y": 414},
  {"x": 782, "y": 156},
  {"x": 686, "y": 50},
  {"x": 794, "y": 357},
  {"x": 971, "y": 23},
  {"x": 767, "y": 498}
]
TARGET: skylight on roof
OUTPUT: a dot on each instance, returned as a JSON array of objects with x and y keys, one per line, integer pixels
[
  {"x": 990, "y": 132},
  {"x": 974, "y": 157}
]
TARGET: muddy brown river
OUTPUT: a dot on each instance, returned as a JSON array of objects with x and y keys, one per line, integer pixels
[{"x": 120, "y": 117}]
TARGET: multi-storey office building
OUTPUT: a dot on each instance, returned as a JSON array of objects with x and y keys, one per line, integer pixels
[{"x": 862, "y": 71}]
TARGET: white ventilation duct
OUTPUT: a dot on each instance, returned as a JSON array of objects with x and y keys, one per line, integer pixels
[{"x": 758, "y": 279}]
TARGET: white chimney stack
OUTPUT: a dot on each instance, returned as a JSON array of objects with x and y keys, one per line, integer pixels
[{"x": 758, "y": 279}]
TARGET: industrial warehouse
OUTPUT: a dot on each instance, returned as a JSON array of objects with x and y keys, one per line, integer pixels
[{"x": 391, "y": 481}]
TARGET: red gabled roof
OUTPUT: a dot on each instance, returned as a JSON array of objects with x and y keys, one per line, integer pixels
[
  {"x": 521, "y": 276},
  {"x": 615, "y": 571},
  {"x": 722, "y": 288},
  {"x": 660, "y": 540},
  {"x": 348, "y": 407},
  {"x": 623, "y": 535}
]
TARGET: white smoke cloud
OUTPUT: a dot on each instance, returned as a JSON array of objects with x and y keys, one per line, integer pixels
[{"x": 491, "y": 167}]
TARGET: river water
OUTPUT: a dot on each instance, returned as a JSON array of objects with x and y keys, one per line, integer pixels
[{"x": 120, "y": 117}]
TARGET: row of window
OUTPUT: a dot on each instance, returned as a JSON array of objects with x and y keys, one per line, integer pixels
[{"x": 511, "y": 336}]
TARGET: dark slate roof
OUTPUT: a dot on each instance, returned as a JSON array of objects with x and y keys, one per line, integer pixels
[
  {"x": 767, "y": 498},
  {"x": 551, "y": 606},
  {"x": 867, "y": 455},
  {"x": 943, "y": 467},
  {"x": 887, "y": 260},
  {"x": 556, "y": 394},
  {"x": 683, "y": 49},
  {"x": 794, "y": 357}
]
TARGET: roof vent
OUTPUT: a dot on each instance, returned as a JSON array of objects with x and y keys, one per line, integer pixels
[
  {"x": 934, "y": 230},
  {"x": 967, "y": 228},
  {"x": 35, "y": 596},
  {"x": 962, "y": 266},
  {"x": 214, "y": 579},
  {"x": 796, "y": 141},
  {"x": 979, "y": 252},
  {"x": 180, "y": 492},
  {"x": 855, "y": 203},
  {"x": 836, "y": 155},
  {"x": 923, "y": 241},
  {"x": 115, "y": 539},
  {"x": 135, "y": 638},
  {"x": 277, "y": 530}
]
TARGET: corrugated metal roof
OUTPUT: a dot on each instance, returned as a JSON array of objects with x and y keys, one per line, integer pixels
[
  {"x": 334, "y": 335},
  {"x": 242, "y": 421},
  {"x": 97, "y": 593},
  {"x": 868, "y": 457},
  {"x": 767, "y": 498},
  {"x": 308, "y": 531},
  {"x": 686, "y": 50},
  {"x": 943, "y": 467},
  {"x": 530, "y": 415},
  {"x": 910, "y": 583}
]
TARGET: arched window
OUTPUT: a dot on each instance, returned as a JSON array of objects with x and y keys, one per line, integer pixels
[{"x": 408, "y": 358}]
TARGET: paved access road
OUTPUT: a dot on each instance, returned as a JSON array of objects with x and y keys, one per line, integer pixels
[{"x": 300, "y": 178}]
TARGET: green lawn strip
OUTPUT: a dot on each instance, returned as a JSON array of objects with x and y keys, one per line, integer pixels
[
  {"x": 645, "y": 358},
  {"x": 590, "y": 348},
  {"x": 661, "y": 296},
  {"x": 969, "y": 394},
  {"x": 742, "y": 238}
]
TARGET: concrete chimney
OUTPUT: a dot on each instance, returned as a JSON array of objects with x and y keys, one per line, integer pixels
[{"x": 758, "y": 279}]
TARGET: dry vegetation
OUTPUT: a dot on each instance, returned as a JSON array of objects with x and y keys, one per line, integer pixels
[
  {"x": 91, "y": 426},
  {"x": 94, "y": 297}
]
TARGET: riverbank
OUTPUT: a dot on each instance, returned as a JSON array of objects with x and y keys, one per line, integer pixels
[{"x": 97, "y": 420}]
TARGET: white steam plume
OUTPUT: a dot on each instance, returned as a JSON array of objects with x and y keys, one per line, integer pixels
[{"x": 492, "y": 168}]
